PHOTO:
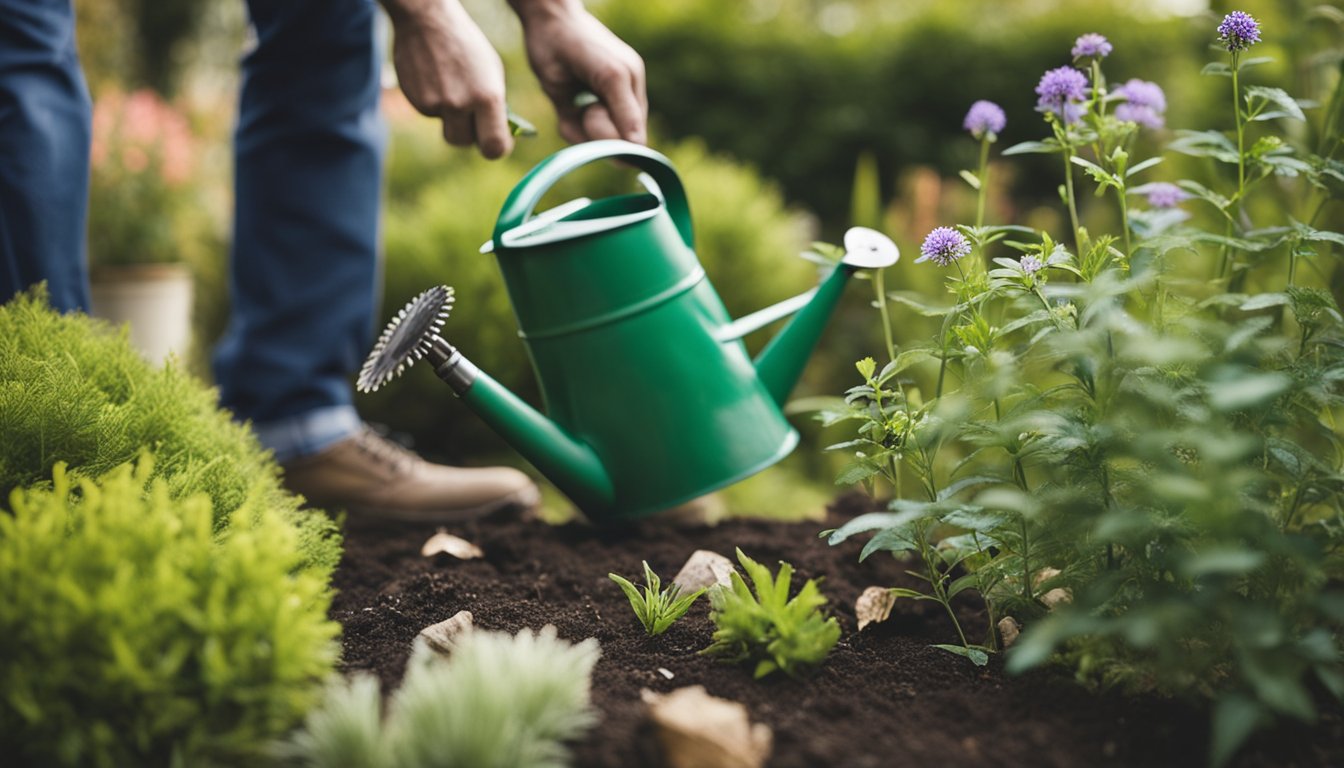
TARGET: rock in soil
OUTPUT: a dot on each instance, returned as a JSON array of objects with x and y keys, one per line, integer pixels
[
  {"x": 703, "y": 569},
  {"x": 701, "y": 731}
]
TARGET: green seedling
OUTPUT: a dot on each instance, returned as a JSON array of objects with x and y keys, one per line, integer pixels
[
  {"x": 776, "y": 632},
  {"x": 656, "y": 608}
]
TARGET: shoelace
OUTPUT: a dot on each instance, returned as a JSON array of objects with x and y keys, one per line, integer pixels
[{"x": 385, "y": 451}]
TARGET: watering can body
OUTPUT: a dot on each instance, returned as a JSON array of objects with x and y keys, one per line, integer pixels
[{"x": 650, "y": 397}]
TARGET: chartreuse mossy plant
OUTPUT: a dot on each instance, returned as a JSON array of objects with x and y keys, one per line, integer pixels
[
  {"x": 655, "y": 607},
  {"x": 131, "y": 633},
  {"x": 73, "y": 390},
  {"x": 1133, "y": 447},
  {"x": 768, "y": 627},
  {"x": 500, "y": 701}
]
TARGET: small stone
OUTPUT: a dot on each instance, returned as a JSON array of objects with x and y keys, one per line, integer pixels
[
  {"x": 703, "y": 569},
  {"x": 442, "y": 637},
  {"x": 873, "y": 606},
  {"x": 1044, "y": 575},
  {"x": 1009, "y": 629},
  {"x": 665, "y": 672},
  {"x": 697, "y": 730},
  {"x": 446, "y": 543},
  {"x": 1055, "y": 597}
]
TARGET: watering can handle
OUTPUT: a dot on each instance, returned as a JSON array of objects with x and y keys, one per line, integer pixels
[{"x": 524, "y": 197}]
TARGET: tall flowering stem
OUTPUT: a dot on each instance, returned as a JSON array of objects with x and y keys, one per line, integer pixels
[
  {"x": 1060, "y": 95},
  {"x": 1238, "y": 32}
]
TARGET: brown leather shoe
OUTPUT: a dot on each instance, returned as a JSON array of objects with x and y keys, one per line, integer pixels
[{"x": 373, "y": 478}]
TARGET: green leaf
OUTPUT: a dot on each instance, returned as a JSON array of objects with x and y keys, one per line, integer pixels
[
  {"x": 1033, "y": 147},
  {"x": 1217, "y": 68},
  {"x": 1288, "y": 106},
  {"x": 1143, "y": 166},
  {"x": 1247, "y": 391},
  {"x": 977, "y": 657},
  {"x": 1235, "y": 718},
  {"x": 1226, "y": 561},
  {"x": 1264, "y": 301},
  {"x": 970, "y": 178}
]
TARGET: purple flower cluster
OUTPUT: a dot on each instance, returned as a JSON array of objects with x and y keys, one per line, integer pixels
[
  {"x": 1145, "y": 103},
  {"x": 1030, "y": 264},
  {"x": 985, "y": 117},
  {"x": 1162, "y": 194},
  {"x": 944, "y": 246},
  {"x": 1238, "y": 31},
  {"x": 1061, "y": 92},
  {"x": 1091, "y": 46}
]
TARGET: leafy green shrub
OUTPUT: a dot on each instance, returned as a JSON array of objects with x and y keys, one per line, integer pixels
[
  {"x": 1120, "y": 439},
  {"x": 769, "y": 627},
  {"x": 746, "y": 239},
  {"x": 132, "y": 634},
  {"x": 656, "y": 608},
  {"x": 73, "y": 390},
  {"x": 499, "y": 701},
  {"x": 803, "y": 102}
]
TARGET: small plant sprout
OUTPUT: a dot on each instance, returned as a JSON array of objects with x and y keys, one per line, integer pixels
[
  {"x": 656, "y": 608},
  {"x": 768, "y": 627}
]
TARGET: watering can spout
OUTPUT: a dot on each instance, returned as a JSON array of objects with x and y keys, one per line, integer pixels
[
  {"x": 781, "y": 363},
  {"x": 569, "y": 463}
]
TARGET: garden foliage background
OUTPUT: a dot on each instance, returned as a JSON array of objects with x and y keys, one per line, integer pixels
[{"x": 789, "y": 120}]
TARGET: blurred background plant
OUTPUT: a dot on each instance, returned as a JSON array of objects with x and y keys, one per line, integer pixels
[{"x": 144, "y": 205}]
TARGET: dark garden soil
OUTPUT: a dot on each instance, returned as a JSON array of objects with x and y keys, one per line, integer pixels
[{"x": 883, "y": 697}]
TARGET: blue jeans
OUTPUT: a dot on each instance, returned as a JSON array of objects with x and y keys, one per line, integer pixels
[
  {"x": 309, "y": 149},
  {"x": 44, "y": 153},
  {"x": 304, "y": 274}
]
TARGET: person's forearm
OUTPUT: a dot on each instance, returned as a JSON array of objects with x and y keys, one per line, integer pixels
[
  {"x": 530, "y": 9},
  {"x": 403, "y": 10}
]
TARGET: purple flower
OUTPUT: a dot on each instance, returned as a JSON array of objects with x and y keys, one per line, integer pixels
[
  {"x": 1030, "y": 264},
  {"x": 1144, "y": 103},
  {"x": 985, "y": 117},
  {"x": 1238, "y": 31},
  {"x": 1061, "y": 92},
  {"x": 943, "y": 246},
  {"x": 1162, "y": 194},
  {"x": 1091, "y": 46}
]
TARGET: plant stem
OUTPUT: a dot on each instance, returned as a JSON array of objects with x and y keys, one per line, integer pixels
[
  {"x": 879, "y": 285},
  {"x": 1241, "y": 131},
  {"x": 984, "y": 181},
  {"x": 1124, "y": 219},
  {"x": 1068, "y": 194}
]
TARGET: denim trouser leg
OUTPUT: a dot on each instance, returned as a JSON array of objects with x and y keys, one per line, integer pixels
[
  {"x": 304, "y": 269},
  {"x": 44, "y": 153}
]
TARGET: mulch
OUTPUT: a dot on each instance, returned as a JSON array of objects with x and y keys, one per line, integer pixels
[{"x": 883, "y": 698}]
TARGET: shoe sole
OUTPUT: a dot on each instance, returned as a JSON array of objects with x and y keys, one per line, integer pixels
[{"x": 527, "y": 498}]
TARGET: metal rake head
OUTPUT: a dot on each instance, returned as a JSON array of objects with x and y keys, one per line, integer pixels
[{"x": 407, "y": 338}]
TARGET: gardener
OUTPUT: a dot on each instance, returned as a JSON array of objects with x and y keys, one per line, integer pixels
[{"x": 308, "y": 152}]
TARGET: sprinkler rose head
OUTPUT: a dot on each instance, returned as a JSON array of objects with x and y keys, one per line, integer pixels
[{"x": 407, "y": 338}]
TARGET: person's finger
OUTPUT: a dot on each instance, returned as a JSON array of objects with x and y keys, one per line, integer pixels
[
  {"x": 492, "y": 129},
  {"x": 616, "y": 87},
  {"x": 457, "y": 129},
  {"x": 598, "y": 124}
]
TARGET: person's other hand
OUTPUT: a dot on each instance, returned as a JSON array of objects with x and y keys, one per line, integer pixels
[
  {"x": 572, "y": 52},
  {"x": 448, "y": 69}
]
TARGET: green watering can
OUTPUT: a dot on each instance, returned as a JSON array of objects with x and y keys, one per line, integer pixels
[{"x": 651, "y": 399}]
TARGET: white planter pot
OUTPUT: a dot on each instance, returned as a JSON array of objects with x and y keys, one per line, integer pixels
[{"x": 155, "y": 299}]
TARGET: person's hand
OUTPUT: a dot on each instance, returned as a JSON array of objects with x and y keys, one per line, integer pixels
[
  {"x": 572, "y": 52},
  {"x": 448, "y": 69}
]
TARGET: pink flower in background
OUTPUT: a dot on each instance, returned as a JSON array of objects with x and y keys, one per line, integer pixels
[{"x": 137, "y": 132}]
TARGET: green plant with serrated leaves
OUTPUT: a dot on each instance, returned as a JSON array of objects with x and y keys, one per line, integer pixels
[
  {"x": 133, "y": 633},
  {"x": 655, "y": 607},
  {"x": 763, "y": 624},
  {"x": 500, "y": 701},
  {"x": 1129, "y": 441}
]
